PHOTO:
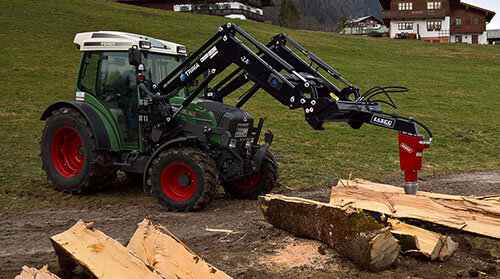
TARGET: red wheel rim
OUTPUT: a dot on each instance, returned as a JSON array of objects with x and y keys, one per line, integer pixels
[
  {"x": 248, "y": 183},
  {"x": 178, "y": 181},
  {"x": 66, "y": 150}
]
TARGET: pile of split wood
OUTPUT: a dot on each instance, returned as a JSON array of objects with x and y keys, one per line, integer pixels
[
  {"x": 359, "y": 222},
  {"x": 153, "y": 252}
]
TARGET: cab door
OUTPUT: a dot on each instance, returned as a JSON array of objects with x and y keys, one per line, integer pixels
[
  {"x": 117, "y": 90},
  {"x": 111, "y": 83}
]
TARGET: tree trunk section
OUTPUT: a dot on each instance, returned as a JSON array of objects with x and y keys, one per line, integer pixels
[
  {"x": 476, "y": 215},
  {"x": 420, "y": 242},
  {"x": 351, "y": 232},
  {"x": 33, "y": 273},
  {"x": 168, "y": 256},
  {"x": 103, "y": 256}
]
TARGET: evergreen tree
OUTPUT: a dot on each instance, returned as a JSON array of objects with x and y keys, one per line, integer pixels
[
  {"x": 289, "y": 14},
  {"x": 342, "y": 23}
]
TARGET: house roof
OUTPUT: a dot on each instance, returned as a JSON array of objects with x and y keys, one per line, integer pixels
[
  {"x": 359, "y": 19},
  {"x": 386, "y": 5},
  {"x": 489, "y": 14},
  {"x": 493, "y": 34}
]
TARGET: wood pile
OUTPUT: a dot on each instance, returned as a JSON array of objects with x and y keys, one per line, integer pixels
[
  {"x": 479, "y": 215},
  {"x": 153, "y": 253},
  {"x": 360, "y": 221}
]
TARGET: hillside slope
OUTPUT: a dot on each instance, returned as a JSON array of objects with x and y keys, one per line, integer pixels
[
  {"x": 454, "y": 91},
  {"x": 324, "y": 14}
]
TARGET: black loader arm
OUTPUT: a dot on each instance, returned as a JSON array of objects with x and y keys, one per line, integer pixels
[
  {"x": 295, "y": 83},
  {"x": 280, "y": 72}
]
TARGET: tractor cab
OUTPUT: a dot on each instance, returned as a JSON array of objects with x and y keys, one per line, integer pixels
[{"x": 108, "y": 81}]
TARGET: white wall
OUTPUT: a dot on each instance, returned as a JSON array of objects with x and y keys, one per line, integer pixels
[
  {"x": 445, "y": 26},
  {"x": 483, "y": 38},
  {"x": 467, "y": 38}
]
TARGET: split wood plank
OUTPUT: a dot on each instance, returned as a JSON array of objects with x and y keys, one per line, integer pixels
[
  {"x": 459, "y": 212},
  {"x": 168, "y": 256},
  {"x": 103, "y": 256},
  {"x": 33, "y": 273},
  {"x": 420, "y": 242},
  {"x": 351, "y": 232}
]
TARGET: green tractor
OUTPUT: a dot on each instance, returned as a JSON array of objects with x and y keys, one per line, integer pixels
[
  {"x": 113, "y": 126},
  {"x": 143, "y": 106}
]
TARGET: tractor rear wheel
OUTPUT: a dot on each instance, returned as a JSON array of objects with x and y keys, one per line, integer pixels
[
  {"x": 69, "y": 155},
  {"x": 260, "y": 183},
  {"x": 183, "y": 179}
]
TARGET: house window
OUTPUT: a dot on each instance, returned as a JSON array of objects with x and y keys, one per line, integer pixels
[
  {"x": 475, "y": 20},
  {"x": 405, "y": 26},
  {"x": 458, "y": 21},
  {"x": 434, "y": 25},
  {"x": 458, "y": 39},
  {"x": 435, "y": 5},
  {"x": 405, "y": 6}
]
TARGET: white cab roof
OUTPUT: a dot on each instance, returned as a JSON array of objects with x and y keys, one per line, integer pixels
[{"x": 121, "y": 41}]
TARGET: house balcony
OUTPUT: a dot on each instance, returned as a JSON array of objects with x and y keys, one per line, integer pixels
[
  {"x": 224, "y": 12},
  {"x": 413, "y": 14},
  {"x": 468, "y": 28}
]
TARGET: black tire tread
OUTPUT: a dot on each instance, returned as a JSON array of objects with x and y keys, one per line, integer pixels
[
  {"x": 270, "y": 174},
  {"x": 207, "y": 166},
  {"x": 100, "y": 172}
]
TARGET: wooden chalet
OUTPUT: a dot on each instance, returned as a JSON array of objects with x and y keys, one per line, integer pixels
[{"x": 437, "y": 21}]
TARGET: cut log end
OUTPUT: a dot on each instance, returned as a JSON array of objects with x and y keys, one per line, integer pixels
[
  {"x": 167, "y": 255},
  {"x": 33, "y": 273},
  {"x": 351, "y": 232}
]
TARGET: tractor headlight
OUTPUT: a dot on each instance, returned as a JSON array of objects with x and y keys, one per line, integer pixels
[
  {"x": 145, "y": 44},
  {"x": 182, "y": 49},
  {"x": 232, "y": 143}
]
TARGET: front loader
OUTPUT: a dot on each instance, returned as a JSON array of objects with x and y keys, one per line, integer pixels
[{"x": 146, "y": 108}]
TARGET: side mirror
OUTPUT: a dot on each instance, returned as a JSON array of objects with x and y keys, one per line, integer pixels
[{"x": 134, "y": 56}]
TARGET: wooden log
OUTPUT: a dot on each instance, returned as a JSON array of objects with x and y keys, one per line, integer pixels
[
  {"x": 420, "y": 242},
  {"x": 168, "y": 256},
  {"x": 351, "y": 232},
  {"x": 462, "y": 213},
  {"x": 33, "y": 273},
  {"x": 103, "y": 256}
]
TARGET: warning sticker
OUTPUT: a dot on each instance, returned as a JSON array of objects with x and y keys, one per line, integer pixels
[{"x": 80, "y": 96}]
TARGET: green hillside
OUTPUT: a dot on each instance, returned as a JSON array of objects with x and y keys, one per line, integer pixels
[{"x": 454, "y": 90}]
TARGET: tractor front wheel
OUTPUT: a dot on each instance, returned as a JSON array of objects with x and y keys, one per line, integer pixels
[
  {"x": 260, "y": 183},
  {"x": 69, "y": 155},
  {"x": 183, "y": 179}
]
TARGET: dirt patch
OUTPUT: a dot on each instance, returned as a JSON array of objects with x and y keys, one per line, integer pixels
[
  {"x": 257, "y": 250},
  {"x": 297, "y": 253}
]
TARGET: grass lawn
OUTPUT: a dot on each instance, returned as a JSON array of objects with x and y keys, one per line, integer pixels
[{"x": 455, "y": 91}]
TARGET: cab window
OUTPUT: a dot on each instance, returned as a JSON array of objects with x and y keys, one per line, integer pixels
[{"x": 88, "y": 72}]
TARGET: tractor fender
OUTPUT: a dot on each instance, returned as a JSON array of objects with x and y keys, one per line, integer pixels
[
  {"x": 157, "y": 152},
  {"x": 95, "y": 122}
]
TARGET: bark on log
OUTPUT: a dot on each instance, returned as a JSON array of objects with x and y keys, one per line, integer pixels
[
  {"x": 420, "y": 242},
  {"x": 351, "y": 232},
  {"x": 167, "y": 256},
  {"x": 103, "y": 256},
  {"x": 459, "y": 212},
  {"x": 33, "y": 273}
]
